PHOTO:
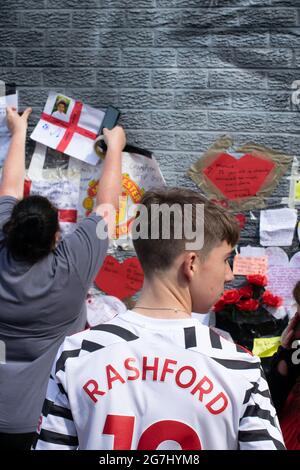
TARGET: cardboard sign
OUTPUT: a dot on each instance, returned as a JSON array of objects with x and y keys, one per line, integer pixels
[
  {"x": 238, "y": 178},
  {"x": 120, "y": 279},
  {"x": 69, "y": 126},
  {"x": 245, "y": 265}
]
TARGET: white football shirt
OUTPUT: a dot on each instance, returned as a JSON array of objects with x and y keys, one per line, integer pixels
[{"x": 143, "y": 383}]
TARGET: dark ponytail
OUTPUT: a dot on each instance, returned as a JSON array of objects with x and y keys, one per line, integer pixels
[{"x": 30, "y": 232}]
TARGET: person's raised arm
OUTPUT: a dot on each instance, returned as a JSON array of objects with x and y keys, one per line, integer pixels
[
  {"x": 12, "y": 182},
  {"x": 110, "y": 183}
]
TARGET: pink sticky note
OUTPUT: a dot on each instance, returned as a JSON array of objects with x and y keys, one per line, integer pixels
[{"x": 245, "y": 265}]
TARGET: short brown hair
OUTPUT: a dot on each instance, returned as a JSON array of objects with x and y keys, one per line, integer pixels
[{"x": 159, "y": 254}]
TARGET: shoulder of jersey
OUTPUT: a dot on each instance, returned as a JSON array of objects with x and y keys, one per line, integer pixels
[
  {"x": 95, "y": 338},
  {"x": 215, "y": 345}
]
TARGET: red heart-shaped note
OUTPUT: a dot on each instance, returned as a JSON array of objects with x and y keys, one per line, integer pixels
[
  {"x": 120, "y": 279},
  {"x": 238, "y": 178}
]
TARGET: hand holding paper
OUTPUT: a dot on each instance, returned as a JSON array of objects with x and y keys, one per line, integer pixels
[
  {"x": 17, "y": 124},
  {"x": 115, "y": 139}
]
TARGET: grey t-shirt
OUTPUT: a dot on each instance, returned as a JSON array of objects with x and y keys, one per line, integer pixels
[{"x": 40, "y": 304}]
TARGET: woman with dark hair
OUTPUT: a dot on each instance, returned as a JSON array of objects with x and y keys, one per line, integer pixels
[
  {"x": 284, "y": 379},
  {"x": 43, "y": 281}
]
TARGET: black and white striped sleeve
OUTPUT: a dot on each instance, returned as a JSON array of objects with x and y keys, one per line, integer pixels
[
  {"x": 259, "y": 428},
  {"x": 56, "y": 429}
]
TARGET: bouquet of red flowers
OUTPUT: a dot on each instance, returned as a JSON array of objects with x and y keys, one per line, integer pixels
[{"x": 250, "y": 303}]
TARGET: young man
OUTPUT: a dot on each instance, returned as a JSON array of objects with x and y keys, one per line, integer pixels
[
  {"x": 61, "y": 112},
  {"x": 154, "y": 377}
]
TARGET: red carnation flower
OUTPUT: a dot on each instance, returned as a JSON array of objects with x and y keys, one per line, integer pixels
[
  {"x": 231, "y": 296},
  {"x": 248, "y": 305},
  {"x": 218, "y": 307},
  {"x": 257, "y": 279},
  {"x": 272, "y": 300},
  {"x": 246, "y": 292}
]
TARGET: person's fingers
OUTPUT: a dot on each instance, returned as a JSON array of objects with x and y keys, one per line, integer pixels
[{"x": 26, "y": 113}]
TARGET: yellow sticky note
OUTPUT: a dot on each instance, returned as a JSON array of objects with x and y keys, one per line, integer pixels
[
  {"x": 265, "y": 347},
  {"x": 297, "y": 190}
]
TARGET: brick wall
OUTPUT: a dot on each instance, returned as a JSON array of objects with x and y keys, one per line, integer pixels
[{"x": 183, "y": 72}]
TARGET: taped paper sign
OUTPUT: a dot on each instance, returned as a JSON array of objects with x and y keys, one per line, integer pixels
[
  {"x": 246, "y": 265},
  {"x": 60, "y": 186},
  {"x": 69, "y": 126},
  {"x": 240, "y": 177},
  {"x": 120, "y": 279},
  {"x": 5, "y": 137},
  {"x": 283, "y": 274},
  {"x": 139, "y": 174},
  {"x": 277, "y": 227},
  {"x": 265, "y": 347}
]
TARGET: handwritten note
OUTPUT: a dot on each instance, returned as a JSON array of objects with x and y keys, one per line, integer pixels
[
  {"x": 120, "y": 279},
  {"x": 283, "y": 274},
  {"x": 277, "y": 227},
  {"x": 244, "y": 266},
  {"x": 60, "y": 186},
  {"x": 238, "y": 178}
]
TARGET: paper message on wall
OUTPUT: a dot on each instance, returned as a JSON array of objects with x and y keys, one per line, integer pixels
[
  {"x": 238, "y": 178},
  {"x": 69, "y": 126},
  {"x": 283, "y": 274},
  {"x": 139, "y": 174},
  {"x": 61, "y": 187},
  {"x": 5, "y": 136},
  {"x": 120, "y": 279},
  {"x": 277, "y": 227},
  {"x": 297, "y": 190},
  {"x": 245, "y": 265}
]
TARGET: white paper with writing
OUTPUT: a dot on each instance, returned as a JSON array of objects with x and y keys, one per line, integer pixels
[
  {"x": 277, "y": 227},
  {"x": 61, "y": 187},
  {"x": 283, "y": 274}
]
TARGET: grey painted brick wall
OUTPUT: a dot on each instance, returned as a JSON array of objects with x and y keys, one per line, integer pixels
[{"x": 183, "y": 72}]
